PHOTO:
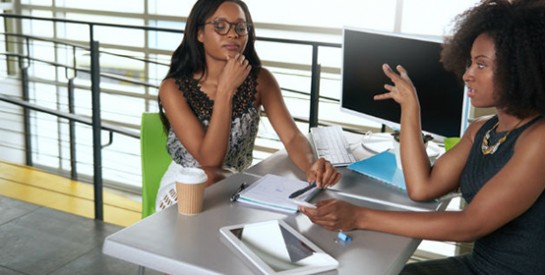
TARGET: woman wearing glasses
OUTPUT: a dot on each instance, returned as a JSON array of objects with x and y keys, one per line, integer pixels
[{"x": 211, "y": 97}]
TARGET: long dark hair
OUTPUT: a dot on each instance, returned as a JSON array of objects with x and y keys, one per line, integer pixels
[{"x": 189, "y": 57}]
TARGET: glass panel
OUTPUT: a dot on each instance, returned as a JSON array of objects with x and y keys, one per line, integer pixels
[
  {"x": 437, "y": 22},
  {"x": 165, "y": 40},
  {"x": 82, "y": 101},
  {"x": 170, "y": 7},
  {"x": 283, "y": 52},
  {"x": 74, "y": 32},
  {"x": 130, "y": 37},
  {"x": 156, "y": 72},
  {"x": 110, "y": 35},
  {"x": 126, "y": 64},
  {"x": 129, "y": 6},
  {"x": 84, "y": 148},
  {"x": 120, "y": 162},
  {"x": 46, "y": 3},
  {"x": 290, "y": 63},
  {"x": 324, "y": 13},
  {"x": 44, "y": 127},
  {"x": 40, "y": 69},
  {"x": 41, "y": 28},
  {"x": 125, "y": 109}
]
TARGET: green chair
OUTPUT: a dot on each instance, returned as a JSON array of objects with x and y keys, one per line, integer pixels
[{"x": 155, "y": 159}]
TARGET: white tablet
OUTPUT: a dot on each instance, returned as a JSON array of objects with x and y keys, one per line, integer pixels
[{"x": 274, "y": 247}]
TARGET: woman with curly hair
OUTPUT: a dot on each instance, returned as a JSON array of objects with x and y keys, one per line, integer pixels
[{"x": 498, "y": 51}]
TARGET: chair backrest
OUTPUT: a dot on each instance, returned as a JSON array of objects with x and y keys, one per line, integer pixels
[{"x": 155, "y": 159}]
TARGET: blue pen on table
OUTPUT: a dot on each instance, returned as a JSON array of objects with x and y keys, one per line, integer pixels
[{"x": 301, "y": 191}]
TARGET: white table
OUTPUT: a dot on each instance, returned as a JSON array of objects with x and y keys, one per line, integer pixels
[{"x": 175, "y": 244}]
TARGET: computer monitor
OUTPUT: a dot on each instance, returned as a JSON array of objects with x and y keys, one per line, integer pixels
[{"x": 443, "y": 101}]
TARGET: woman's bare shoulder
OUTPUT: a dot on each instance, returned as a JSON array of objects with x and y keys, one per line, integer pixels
[
  {"x": 475, "y": 125},
  {"x": 264, "y": 75},
  {"x": 534, "y": 133},
  {"x": 168, "y": 83},
  {"x": 168, "y": 87},
  {"x": 266, "y": 83}
]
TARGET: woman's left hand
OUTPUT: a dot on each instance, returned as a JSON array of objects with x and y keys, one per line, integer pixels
[{"x": 323, "y": 173}]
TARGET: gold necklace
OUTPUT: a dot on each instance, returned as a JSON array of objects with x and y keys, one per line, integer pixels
[{"x": 491, "y": 149}]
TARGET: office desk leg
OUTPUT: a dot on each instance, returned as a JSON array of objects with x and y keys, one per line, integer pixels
[{"x": 141, "y": 270}]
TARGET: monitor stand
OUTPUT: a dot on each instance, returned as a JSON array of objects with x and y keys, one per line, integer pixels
[{"x": 377, "y": 142}]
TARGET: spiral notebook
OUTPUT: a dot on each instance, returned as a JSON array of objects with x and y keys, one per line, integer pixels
[
  {"x": 382, "y": 167},
  {"x": 272, "y": 192}
]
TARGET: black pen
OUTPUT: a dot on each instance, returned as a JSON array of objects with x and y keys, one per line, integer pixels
[
  {"x": 301, "y": 191},
  {"x": 235, "y": 195}
]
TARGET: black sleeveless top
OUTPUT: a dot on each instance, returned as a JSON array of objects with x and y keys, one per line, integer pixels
[{"x": 519, "y": 246}]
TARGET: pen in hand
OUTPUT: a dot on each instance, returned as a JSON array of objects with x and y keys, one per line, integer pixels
[{"x": 301, "y": 191}]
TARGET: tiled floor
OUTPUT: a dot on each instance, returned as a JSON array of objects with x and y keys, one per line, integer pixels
[{"x": 39, "y": 240}]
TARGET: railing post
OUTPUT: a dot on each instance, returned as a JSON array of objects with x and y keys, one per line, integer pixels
[
  {"x": 24, "y": 64},
  {"x": 97, "y": 142},
  {"x": 26, "y": 116},
  {"x": 72, "y": 131},
  {"x": 314, "y": 89}
]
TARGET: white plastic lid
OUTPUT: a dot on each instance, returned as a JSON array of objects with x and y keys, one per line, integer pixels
[{"x": 191, "y": 176}]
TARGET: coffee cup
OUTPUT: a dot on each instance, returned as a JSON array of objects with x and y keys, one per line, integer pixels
[{"x": 190, "y": 184}]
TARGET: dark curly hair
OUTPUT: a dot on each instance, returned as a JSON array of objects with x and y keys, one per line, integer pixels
[
  {"x": 518, "y": 30},
  {"x": 189, "y": 57}
]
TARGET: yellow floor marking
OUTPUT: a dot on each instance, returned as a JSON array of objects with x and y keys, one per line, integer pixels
[{"x": 56, "y": 192}]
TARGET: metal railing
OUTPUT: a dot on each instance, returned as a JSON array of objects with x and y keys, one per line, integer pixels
[{"x": 24, "y": 61}]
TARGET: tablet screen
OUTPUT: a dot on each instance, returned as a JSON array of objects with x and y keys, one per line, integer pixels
[
  {"x": 278, "y": 246},
  {"x": 280, "y": 249}
]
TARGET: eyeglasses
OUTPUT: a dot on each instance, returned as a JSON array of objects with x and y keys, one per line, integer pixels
[{"x": 222, "y": 27}]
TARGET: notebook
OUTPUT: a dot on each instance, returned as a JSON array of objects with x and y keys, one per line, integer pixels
[
  {"x": 382, "y": 167},
  {"x": 272, "y": 192}
]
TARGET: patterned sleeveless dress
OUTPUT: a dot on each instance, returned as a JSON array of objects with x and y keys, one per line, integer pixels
[
  {"x": 244, "y": 123},
  {"x": 244, "y": 126}
]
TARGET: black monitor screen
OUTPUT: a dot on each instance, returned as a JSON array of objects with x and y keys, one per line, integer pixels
[{"x": 441, "y": 93}]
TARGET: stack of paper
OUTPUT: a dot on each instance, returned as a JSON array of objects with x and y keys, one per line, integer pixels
[
  {"x": 273, "y": 192},
  {"x": 382, "y": 167}
]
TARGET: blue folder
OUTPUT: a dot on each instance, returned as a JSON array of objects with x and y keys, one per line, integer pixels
[{"x": 382, "y": 167}]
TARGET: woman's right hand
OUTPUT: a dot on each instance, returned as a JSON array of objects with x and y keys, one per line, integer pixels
[
  {"x": 323, "y": 173},
  {"x": 233, "y": 74},
  {"x": 402, "y": 90},
  {"x": 334, "y": 215}
]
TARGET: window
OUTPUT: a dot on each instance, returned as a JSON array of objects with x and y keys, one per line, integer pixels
[{"x": 123, "y": 100}]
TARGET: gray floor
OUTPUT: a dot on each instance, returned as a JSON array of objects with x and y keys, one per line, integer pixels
[{"x": 39, "y": 240}]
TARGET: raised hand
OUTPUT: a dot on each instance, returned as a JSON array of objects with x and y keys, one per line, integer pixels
[
  {"x": 233, "y": 74},
  {"x": 402, "y": 90}
]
